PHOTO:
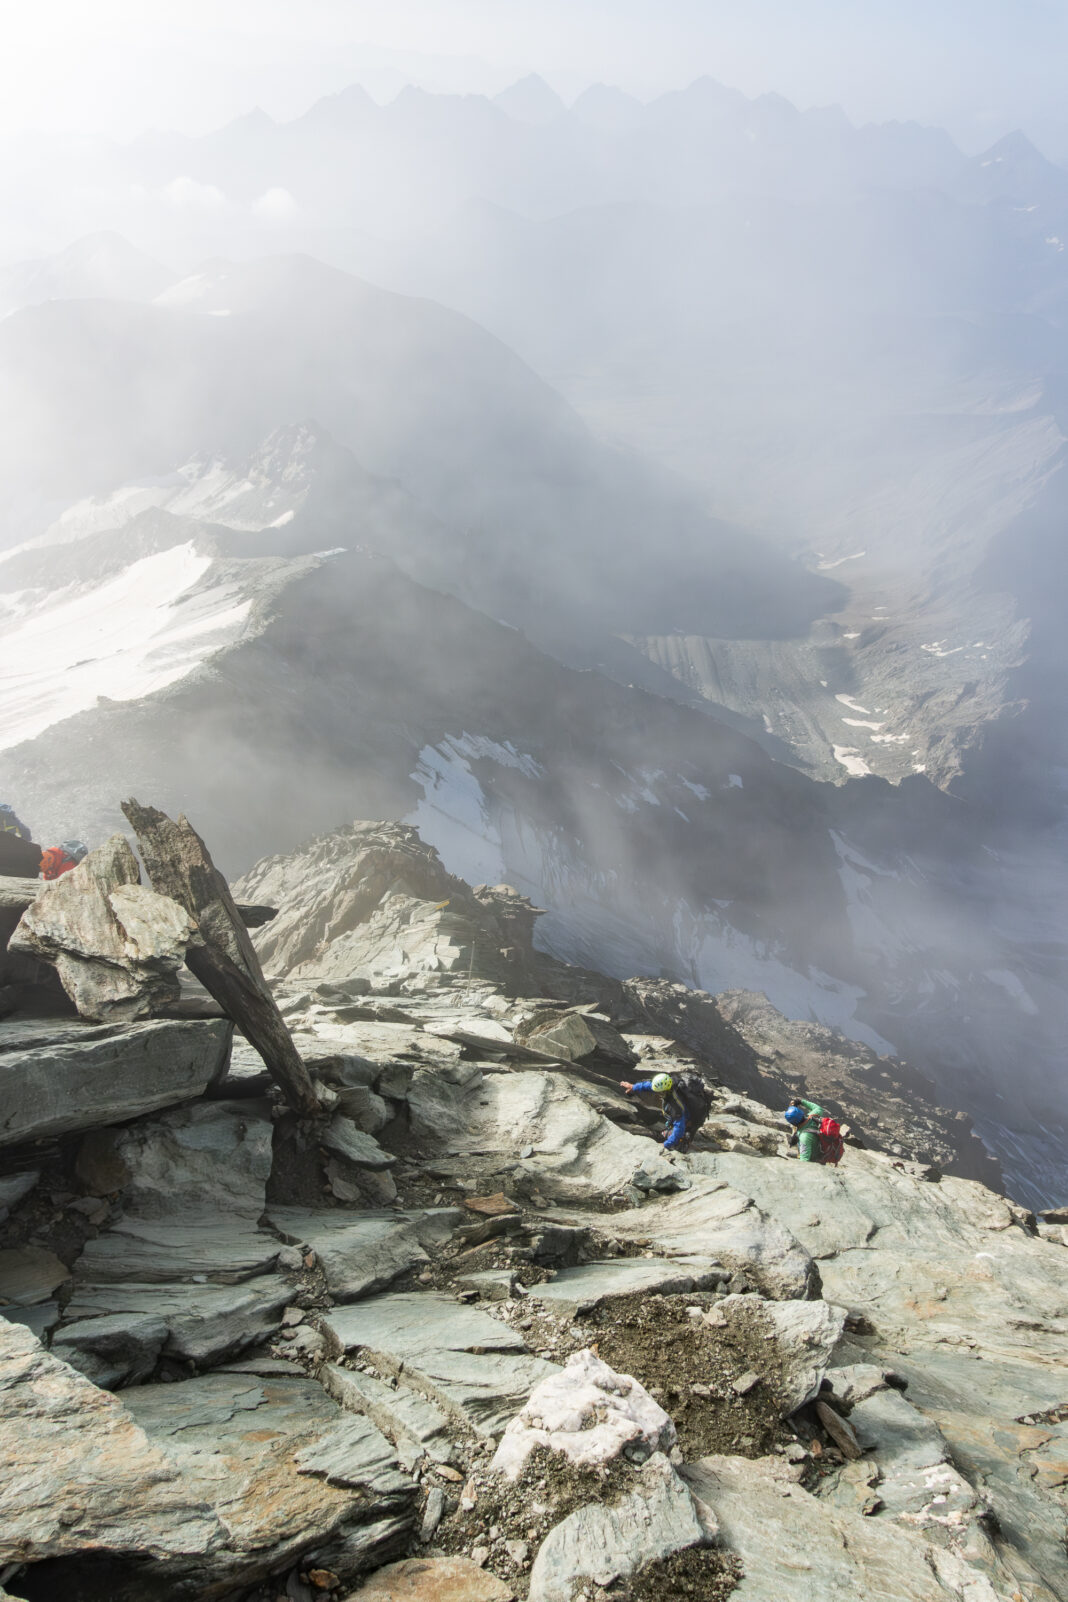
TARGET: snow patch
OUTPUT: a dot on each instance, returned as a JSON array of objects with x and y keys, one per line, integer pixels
[
  {"x": 937, "y": 648},
  {"x": 720, "y": 958},
  {"x": 859, "y": 723},
  {"x": 848, "y": 757},
  {"x": 854, "y": 706},
  {"x": 1006, "y": 980},
  {"x": 698, "y": 790},
  {"x": 455, "y": 815},
  {"x": 825, "y": 567},
  {"x": 123, "y": 639},
  {"x": 734, "y": 781}
]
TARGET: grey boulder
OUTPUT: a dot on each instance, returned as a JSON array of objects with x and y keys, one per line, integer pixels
[
  {"x": 209, "y": 1155},
  {"x": 116, "y": 945}
]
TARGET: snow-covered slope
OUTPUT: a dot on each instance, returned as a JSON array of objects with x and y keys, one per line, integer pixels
[{"x": 133, "y": 634}]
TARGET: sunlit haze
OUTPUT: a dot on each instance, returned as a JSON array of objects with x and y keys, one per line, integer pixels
[{"x": 980, "y": 67}]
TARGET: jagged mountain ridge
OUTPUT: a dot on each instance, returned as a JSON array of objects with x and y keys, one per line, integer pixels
[{"x": 373, "y": 901}]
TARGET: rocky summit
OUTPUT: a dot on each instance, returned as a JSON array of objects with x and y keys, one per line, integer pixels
[{"x": 334, "y": 1263}]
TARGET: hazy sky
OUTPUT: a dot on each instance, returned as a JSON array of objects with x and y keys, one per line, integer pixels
[{"x": 981, "y": 67}]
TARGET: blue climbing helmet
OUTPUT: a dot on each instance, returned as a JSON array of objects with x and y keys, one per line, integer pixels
[{"x": 795, "y": 1115}]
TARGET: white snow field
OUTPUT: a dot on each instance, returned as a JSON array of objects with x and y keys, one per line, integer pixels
[{"x": 135, "y": 633}]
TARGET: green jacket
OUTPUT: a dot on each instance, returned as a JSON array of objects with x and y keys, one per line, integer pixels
[
  {"x": 815, "y": 1113},
  {"x": 808, "y": 1133}
]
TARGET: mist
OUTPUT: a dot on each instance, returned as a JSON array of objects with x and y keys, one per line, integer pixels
[{"x": 630, "y": 448}]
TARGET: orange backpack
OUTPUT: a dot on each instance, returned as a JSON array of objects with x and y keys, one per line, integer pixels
[{"x": 55, "y": 862}]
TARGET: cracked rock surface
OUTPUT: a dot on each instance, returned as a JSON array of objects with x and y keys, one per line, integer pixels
[{"x": 469, "y": 1335}]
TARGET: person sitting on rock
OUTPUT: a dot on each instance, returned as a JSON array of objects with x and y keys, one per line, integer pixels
[
  {"x": 675, "y": 1137},
  {"x": 805, "y": 1118}
]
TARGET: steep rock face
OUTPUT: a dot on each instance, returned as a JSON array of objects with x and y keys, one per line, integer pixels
[{"x": 375, "y": 901}]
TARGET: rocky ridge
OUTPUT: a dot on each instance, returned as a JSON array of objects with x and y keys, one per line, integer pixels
[{"x": 466, "y": 1321}]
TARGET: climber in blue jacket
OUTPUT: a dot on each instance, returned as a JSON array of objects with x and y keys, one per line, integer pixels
[{"x": 671, "y": 1102}]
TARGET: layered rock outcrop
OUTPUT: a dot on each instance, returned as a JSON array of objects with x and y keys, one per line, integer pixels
[{"x": 467, "y": 1327}]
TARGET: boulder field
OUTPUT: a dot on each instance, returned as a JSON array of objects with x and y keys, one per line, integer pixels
[{"x": 464, "y": 1333}]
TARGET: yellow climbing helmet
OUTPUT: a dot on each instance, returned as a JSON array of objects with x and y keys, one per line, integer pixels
[{"x": 662, "y": 1084}]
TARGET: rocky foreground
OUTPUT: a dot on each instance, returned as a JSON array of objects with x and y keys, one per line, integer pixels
[{"x": 457, "y": 1330}]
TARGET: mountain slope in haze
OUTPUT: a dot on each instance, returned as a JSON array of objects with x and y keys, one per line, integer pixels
[
  {"x": 269, "y": 696},
  {"x": 546, "y": 522},
  {"x": 99, "y": 267},
  {"x": 862, "y": 385}
]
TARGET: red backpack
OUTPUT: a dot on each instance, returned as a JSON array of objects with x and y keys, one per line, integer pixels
[
  {"x": 832, "y": 1147},
  {"x": 55, "y": 862}
]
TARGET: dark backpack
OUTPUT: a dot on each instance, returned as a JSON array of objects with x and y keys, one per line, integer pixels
[
  {"x": 696, "y": 1097},
  {"x": 832, "y": 1147}
]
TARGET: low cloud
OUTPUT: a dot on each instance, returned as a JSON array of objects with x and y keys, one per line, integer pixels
[
  {"x": 186, "y": 194},
  {"x": 275, "y": 206}
]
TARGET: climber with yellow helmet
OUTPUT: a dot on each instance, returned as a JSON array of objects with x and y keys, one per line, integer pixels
[{"x": 675, "y": 1136}]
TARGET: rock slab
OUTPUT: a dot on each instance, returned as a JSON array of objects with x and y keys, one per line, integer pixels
[
  {"x": 107, "y": 1075},
  {"x": 79, "y": 1473},
  {"x": 602, "y": 1544}
]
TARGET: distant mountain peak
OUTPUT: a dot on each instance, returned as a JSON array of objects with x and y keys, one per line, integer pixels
[
  {"x": 253, "y": 121},
  {"x": 349, "y": 106},
  {"x": 530, "y": 99},
  {"x": 1014, "y": 144},
  {"x": 605, "y": 106},
  {"x": 1014, "y": 169}
]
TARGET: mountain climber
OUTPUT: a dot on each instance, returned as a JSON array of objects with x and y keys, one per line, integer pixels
[
  {"x": 20, "y": 858},
  {"x": 818, "y": 1135},
  {"x": 60, "y": 859},
  {"x": 685, "y": 1101}
]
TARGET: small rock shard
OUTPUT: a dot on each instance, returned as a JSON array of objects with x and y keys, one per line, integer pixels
[
  {"x": 839, "y": 1429},
  {"x": 492, "y": 1206},
  {"x": 745, "y": 1383},
  {"x": 454, "y": 1579},
  {"x": 432, "y": 1513}
]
